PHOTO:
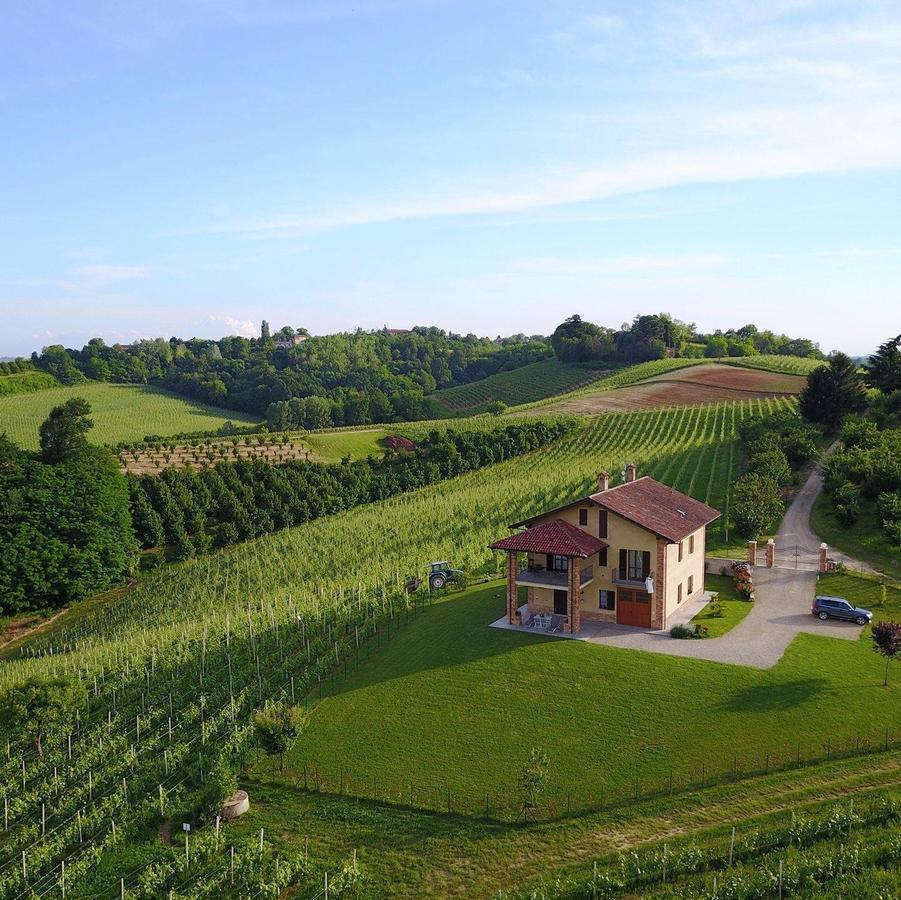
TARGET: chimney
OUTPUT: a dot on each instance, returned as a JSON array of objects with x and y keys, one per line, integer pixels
[
  {"x": 630, "y": 472},
  {"x": 603, "y": 481}
]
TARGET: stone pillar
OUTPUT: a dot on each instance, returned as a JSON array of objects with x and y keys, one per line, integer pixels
[
  {"x": 752, "y": 552},
  {"x": 770, "y": 553},
  {"x": 513, "y": 616},
  {"x": 824, "y": 550},
  {"x": 658, "y": 598},
  {"x": 574, "y": 626}
]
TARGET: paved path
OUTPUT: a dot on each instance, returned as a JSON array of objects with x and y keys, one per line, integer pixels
[
  {"x": 781, "y": 607},
  {"x": 795, "y": 529}
]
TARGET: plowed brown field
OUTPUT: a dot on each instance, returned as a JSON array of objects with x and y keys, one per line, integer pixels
[{"x": 684, "y": 387}]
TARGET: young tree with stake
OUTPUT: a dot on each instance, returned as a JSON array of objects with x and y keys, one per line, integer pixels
[{"x": 887, "y": 642}]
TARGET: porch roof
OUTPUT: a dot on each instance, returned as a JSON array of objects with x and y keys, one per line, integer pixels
[{"x": 557, "y": 536}]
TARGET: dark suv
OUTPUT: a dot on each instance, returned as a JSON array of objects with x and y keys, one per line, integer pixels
[{"x": 837, "y": 608}]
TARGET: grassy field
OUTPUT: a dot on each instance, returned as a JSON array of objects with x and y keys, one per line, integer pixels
[
  {"x": 524, "y": 385},
  {"x": 121, "y": 412},
  {"x": 26, "y": 383},
  {"x": 734, "y": 607},
  {"x": 865, "y": 540},
  {"x": 333, "y": 446},
  {"x": 605, "y": 716}
]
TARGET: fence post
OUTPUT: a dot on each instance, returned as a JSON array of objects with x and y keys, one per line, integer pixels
[{"x": 732, "y": 845}]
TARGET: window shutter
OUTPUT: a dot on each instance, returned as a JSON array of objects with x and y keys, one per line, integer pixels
[
  {"x": 602, "y": 557},
  {"x": 622, "y": 563},
  {"x": 550, "y": 562},
  {"x": 602, "y": 523},
  {"x": 645, "y": 563}
]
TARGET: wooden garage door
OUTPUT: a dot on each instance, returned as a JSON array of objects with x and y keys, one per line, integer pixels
[{"x": 633, "y": 608}]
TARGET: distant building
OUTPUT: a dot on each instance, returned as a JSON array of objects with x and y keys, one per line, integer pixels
[
  {"x": 293, "y": 341},
  {"x": 396, "y": 330}
]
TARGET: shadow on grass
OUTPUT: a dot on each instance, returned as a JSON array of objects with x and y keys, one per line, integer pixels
[{"x": 766, "y": 698}]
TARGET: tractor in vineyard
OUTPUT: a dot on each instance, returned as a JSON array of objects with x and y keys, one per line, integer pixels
[{"x": 439, "y": 575}]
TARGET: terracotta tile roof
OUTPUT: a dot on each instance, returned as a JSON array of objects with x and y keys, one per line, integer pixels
[
  {"x": 657, "y": 507},
  {"x": 556, "y": 536}
]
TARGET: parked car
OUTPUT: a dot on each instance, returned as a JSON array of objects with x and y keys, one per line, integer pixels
[{"x": 839, "y": 608}]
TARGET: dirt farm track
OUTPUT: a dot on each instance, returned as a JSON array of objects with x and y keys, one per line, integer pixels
[{"x": 683, "y": 387}]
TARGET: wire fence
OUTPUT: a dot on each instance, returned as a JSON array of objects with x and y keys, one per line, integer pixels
[{"x": 446, "y": 799}]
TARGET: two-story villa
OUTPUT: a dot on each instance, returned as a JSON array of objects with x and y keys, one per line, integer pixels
[{"x": 629, "y": 554}]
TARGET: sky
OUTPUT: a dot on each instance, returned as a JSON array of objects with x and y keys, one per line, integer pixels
[{"x": 191, "y": 167}]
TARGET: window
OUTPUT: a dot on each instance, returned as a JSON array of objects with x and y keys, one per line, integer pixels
[
  {"x": 691, "y": 544},
  {"x": 691, "y": 584},
  {"x": 602, "y": 557},
  {"x": 679, "y": 593},
  {"x": 558, "y": 563},
  {"x": 583, "y": 516},
  {"x": 606, "y": 599},
  {"x": 638, "y": 564},
  {"x": 602, "y": 523},
  {"x": 680, "y": 551}
]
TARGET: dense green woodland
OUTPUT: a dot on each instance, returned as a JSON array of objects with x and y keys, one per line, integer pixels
[{"x": 361, "y": 377}]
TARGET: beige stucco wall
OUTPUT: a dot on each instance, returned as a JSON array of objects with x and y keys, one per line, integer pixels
[
  {"x": 678, "y": 573},
  {"x": 626, "y": 535}
]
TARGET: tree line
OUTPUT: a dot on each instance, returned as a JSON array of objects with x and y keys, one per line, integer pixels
[
  {"x": 195, "y": 510},
  {"x": 657, "y": 336}
]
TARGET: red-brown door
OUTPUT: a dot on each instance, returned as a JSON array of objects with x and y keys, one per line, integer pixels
[{"x": 633, "y": 608}]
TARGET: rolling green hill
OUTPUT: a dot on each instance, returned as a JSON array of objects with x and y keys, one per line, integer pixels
[
  {"x": 26, "y": 383},
  {"x": 121, "y": 412},
  {"x": 516, "y": 387}
]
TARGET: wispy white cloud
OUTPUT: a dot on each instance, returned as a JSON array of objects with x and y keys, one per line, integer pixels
[
  {"x": 235, "y": 326},
  {"x": 99, "y": 275}
]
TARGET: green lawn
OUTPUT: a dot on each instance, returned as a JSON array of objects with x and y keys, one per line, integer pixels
[
  {"x": 734, "y": 607},
  {"x": 333, "y": 446},
  {"x": 121, "y": 412},
  {"x": 865, "y": 540},
  {"x": 451, "y": 704}
]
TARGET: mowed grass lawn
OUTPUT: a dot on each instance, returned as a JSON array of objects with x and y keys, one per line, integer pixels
[
  {"x": 333, "y": 446},
  {"x": 450, "y": 703},
  {"x": 121, "y": 412}
]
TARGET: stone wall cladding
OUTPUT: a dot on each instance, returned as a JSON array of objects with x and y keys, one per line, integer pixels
[
  {"x": 658, "y": 613},
  {"x": 513, "y": 616}
]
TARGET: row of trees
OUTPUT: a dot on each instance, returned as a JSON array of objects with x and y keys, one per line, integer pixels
[
  {"x": 193, "y": 511},
  {"x": 776, "y": 447},
  {"x": 658, "y": 336}
]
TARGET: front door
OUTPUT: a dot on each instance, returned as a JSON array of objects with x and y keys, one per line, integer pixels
[
  {"x": 633, "y": 608},
  {"x": 560, "y": 604}
]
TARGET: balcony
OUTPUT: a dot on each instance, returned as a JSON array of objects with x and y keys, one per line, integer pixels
[
  {"x": 541, "y": 577},
  {"x": 620, "y": 577}
]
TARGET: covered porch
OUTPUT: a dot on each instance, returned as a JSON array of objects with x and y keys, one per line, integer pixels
[{"x": 555, "y": 561}]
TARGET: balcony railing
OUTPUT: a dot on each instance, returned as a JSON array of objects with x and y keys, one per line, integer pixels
[
  {"x": 621, "y": 577},
  {"x": 552, "y": 578}
]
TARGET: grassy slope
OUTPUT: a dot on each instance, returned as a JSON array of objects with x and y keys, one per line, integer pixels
[
  {"x": 26, "y": 383},
  {"x": 412, "y": 854},
  {"x": 604, "y": 715},
  {"x": 865, "y": 540},
  {"x": 121, "y": 412},
  {"x": 526, "y": 384},
  {"x": 332, "y": 446},
  {"x": 789, "y": 365}
]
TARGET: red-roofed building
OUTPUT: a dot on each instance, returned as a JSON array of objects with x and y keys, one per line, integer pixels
[{"x": 630, "y": 554}]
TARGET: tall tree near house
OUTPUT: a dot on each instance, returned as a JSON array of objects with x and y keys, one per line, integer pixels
[
  {"x": 63, "y": 432},
  {"x": 41, "y": 707},
  {"x": 832, "y": 393},
  {"x": 887, "y": 642},
  {"x": 883, "y": 370}
]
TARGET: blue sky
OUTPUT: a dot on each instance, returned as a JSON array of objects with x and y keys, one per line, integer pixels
[{"x": 193, "y": 167}]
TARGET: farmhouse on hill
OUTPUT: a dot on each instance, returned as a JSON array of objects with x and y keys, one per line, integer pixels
[{"x": 630, "y": 554}]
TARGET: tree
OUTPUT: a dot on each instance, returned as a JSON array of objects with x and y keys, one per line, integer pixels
[
  {"x": 575, "y": 340},
  {"x": 757, "y": 505},
  {"x": 832, "y": 393},
  {"x": 41, "y": 707},
  {"x": 63, "y": 432},
  {"x": 496, "y": 407},
  {"x": 883, "y": 370},
  {"x": 887, "y": 642},
  {"x": 277, "y": 726},
  {"x": 532, "y": 780},
  {"x": 264, "y": 332}
]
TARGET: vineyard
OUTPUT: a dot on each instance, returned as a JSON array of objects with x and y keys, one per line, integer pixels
[
  {"x": 523, "y": 385},
  {"x": 121, "y": 412},
  {"x": 174, "y": 666},
  {"x": 788, "y": 365}
]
